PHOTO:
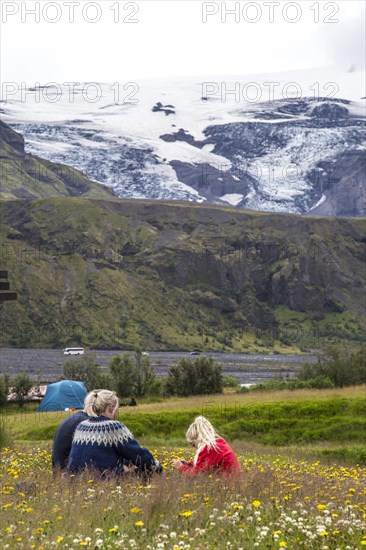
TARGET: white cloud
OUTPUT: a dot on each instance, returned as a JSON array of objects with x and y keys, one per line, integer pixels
[{"x": 171, "y": 40}]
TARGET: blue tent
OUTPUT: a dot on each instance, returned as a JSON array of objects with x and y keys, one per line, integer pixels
[{"x": 66, "y": 394}]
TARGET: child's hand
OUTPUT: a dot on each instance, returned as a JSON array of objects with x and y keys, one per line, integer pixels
[
  {"x": 177, "y": 463},
  {"x": 128, "y": 469}
]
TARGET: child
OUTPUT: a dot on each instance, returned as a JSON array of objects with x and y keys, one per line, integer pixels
[{"x": 213, "y": 453}]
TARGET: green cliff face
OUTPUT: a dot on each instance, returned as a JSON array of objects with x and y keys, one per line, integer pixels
[
  {"x": 118, "y": 273},
  {"x": 26, "y": 176}
]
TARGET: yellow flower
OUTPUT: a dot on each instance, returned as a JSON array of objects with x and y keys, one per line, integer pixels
[
  {"x": 113, "y": 530},
  {"x": 135, "y": 510},
  {"x": 60, "y": 539},
  {"x": 238, "y": 507},
  {"x": 139, "y": 523},
  {"x": 186, "y": 513},
  {"x": 321, "y": 507},
  {"x": 283, "y": 544},
  {"x": 256, "y": 503},
  {"x": 363, "y": 542},
  {"x": 323, "y": 534}
]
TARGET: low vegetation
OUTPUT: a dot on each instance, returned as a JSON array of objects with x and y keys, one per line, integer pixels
[
  {"x": 286, "y": 497},
  {"x": 278, "y": 503},
  {"x": 134, "y": 376}
]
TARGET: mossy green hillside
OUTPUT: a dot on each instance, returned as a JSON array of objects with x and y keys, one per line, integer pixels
[{"x": 121, "y": 273}]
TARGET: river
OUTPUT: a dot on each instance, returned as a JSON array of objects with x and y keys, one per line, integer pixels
[{"x": 248, "y": 368}]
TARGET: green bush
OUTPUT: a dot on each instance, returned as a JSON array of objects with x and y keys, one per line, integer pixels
[
  {"x": 134, "y": 377},
  {"x": 21, "y": 385},
  {"x": 4, "y": 389},
  {"x": 319, "y": 382},
  {"x": 123, "y": 375},
  {"x": 230, "y": 381},
  {"x": 342, "y": 366},
  {"x": 197, "y": 378},
  {"x": 85, "y": 369},
  {"x": 355, "y": 454},
  {"x": 147, "y": 381}
]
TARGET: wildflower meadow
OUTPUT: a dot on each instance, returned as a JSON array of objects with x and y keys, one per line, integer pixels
[{"x": 280, "y": 501}]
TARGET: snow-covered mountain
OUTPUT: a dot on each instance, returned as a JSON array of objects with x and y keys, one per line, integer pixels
[{"x": 289, "y": 142}]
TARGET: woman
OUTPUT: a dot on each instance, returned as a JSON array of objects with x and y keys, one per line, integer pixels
[
  {"x": 213, "y": 453},
  {"x": 64, "y": 434},
  {"x": 104, "y": 444}
]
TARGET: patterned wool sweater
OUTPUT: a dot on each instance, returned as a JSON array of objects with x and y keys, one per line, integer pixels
[{"x": 105, "y": 445}]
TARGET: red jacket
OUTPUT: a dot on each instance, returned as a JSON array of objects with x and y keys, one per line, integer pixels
[{"x": 222, "y": 460}]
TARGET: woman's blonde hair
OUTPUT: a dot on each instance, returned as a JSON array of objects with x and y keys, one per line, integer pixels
[
  {"x": 202, "y": 432},
  {"x": 97, "y": 402}
]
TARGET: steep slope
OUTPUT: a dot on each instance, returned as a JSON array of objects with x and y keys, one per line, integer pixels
[
  {"x": 27, "y": 176},
  {"x": 178, "y": 275}
]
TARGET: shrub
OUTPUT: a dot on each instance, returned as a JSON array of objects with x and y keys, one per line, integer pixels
[
  {"x": 4, "y": 389},
  {"x": 198, "y": 378},
  {"x": 342, "y": 366},
  {"x": 123, "y": 374},
  {"x": 230, "y": 381},
  {"x": 85, "y": 369},
  {"x": 319, "y": 382},
  {"x": 134, "y": 377},
  {"x": 22, "y": 383},
  {"x": 147, "y": 382}
]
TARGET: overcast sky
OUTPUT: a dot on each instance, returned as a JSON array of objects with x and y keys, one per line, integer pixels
[{"x": 169, "y": 39}]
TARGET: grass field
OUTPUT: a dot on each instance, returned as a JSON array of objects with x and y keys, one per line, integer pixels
[{"x": 303, "y": 484}]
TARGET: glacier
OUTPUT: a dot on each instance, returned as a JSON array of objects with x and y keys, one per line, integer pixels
[{"x": 172, "y": 140}]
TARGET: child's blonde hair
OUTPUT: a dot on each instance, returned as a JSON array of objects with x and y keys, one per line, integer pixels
[
  {"x": 202, "y": 432},
  {"x": 97, "y": 402}
]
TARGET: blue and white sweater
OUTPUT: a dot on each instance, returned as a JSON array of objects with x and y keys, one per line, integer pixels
[{"x": 105, "y": 445}]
